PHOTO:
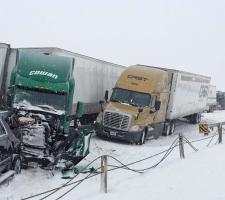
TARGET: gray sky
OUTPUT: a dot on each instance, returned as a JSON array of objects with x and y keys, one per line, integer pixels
[{"x": 182, "y": 34}]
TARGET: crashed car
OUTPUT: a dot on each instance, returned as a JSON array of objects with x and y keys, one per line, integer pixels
[
  {"x": 9, "y": 149},
  {"x": 42, "y": 143}
]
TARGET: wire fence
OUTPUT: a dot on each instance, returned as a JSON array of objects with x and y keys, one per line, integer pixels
[{"x": 96, "y": 172}]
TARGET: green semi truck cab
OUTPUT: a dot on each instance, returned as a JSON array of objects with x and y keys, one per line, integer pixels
[{"x": 41, "y": 97}]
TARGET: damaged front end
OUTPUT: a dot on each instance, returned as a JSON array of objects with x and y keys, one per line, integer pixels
[{"x": 45, "y": 143}]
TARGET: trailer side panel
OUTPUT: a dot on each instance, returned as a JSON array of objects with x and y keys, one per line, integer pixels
[{"x": 189, "y": 95}]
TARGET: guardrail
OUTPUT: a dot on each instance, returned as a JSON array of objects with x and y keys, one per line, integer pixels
[
  {"x": 105, "y": 167},
  {"x": 205, "y": 128}
]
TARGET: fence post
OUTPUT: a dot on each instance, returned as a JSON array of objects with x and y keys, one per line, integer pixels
[
  {"x": 181, "y": 146},
  {"x": 104, "y": 170},
  {"x": 220, "y": 131}
]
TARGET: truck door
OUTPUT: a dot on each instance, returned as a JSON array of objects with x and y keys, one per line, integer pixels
[{"x": 5, "y": 150}]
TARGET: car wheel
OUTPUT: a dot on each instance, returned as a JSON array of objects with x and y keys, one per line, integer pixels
[{"x": 16, "y": 165}]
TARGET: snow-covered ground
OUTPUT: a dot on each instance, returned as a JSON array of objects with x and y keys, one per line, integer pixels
[{"x": 199, "y": 176}]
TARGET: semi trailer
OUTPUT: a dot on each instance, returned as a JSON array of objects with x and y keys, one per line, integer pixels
[
  {"x": 146, "y": 100},
  {"x": 49, "y": 90},
  {"x": 93, "y": 76}
]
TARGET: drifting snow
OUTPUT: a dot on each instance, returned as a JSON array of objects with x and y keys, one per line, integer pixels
[{"x": 199, "y": 176}]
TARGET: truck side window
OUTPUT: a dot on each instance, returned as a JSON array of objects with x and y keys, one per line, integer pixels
[
  {"x": 2, "y": 130},
  {"x": 153, "y": 98}
]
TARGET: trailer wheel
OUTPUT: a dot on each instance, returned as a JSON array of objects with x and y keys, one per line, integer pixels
[
  {"x": 166, "y": 130},
  {"x": 199, "y": 118},
  {"x": 195, "y": 118},
  {"x": 172, "y": 128}
]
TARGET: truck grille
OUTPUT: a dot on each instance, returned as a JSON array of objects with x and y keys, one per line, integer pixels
[{"x": 116, "y": 120}]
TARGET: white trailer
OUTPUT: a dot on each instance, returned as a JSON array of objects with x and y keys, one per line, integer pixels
[
  {"x": 92, "y": 76},
  {"x": 188, "y": 96}
]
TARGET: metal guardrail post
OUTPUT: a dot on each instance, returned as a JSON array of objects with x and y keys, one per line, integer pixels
[
  {"x": 104, "y": 169},
  {"x": 181, "y": 146},
  {"x": 220, "y": 131}
]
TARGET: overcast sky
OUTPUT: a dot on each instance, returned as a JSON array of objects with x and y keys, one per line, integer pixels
[{"x": 181, "y": 34}]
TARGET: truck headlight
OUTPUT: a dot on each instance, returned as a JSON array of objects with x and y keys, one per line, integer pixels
[{"x": 134, "y": 128}]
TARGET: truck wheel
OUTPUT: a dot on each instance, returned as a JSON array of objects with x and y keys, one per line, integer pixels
[
  {"x": 199, "y": 118},
  {"x": 166, "y": 130},
  {"x": 16, "y": 165},
  {"x": 195, "y": 118},
  {"x": 172, "y": 128},
  {"x": 142, "y": 138}
]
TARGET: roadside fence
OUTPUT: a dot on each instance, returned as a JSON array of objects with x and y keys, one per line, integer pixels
[{"x": 105, "y": 166}]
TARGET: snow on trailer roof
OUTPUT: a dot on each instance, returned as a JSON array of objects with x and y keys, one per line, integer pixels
[
  {"x": 56, "y": 49},
  {"x": 164, "y": 68}
]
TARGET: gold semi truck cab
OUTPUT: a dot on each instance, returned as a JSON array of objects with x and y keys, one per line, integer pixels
[{"x": 138, "y": 104}]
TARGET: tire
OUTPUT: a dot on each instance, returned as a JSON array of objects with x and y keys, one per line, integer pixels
[
  {"x": 195, "y": 118},
  {"x": 16, "y": 164},
  {"x": 199, "y": 118},
  {"x": 166, "y": 130},
  {"x": 172, "y": 128},
  {"x": 142, "y": 138}
]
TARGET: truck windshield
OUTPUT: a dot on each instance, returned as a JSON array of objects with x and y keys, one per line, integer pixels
[
  {"x": 133, "y": 98},
  {"x": 40, "y": 98}
]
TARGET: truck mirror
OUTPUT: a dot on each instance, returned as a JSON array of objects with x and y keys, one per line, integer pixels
[
  {"x": 101, "y": 103},
  {"x": 139, "y": 111},
  {"x": 80, "y": 109},
  {"x": 106, "y": 95},
  {"x": 157, "y": 105}
]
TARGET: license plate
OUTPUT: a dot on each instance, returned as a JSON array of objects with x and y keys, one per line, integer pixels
[{"x": 112, "y": 133}]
